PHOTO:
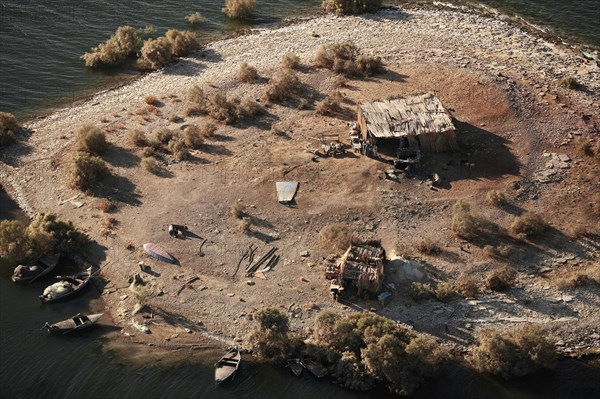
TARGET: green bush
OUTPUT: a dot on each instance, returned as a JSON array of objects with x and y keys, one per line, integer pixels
[
  {"x": 8, "y": 127},
  {"x": 345, "y": 59},
  {"x": 514, "y": 352},
  {"x": 156, "y": 53},
  {"x": 270, "y": 340},
  {"x": 345, "y": 7},
  {"x": 91, "y": 139},
  {"x": 115, "y": 50},
  {"x": 239, "y": 9},
  {"x": 86, "y": 170}
]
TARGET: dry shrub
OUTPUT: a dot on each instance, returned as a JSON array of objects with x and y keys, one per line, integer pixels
[
  {"x": 290, "y": 60},
  {"x": 345, "y": 59},
  {"x": 86, "y": 170},
  {"x": 495, "y": 198},
  {"x": 469, "y": 226},
  {"x": 194, "y": 18},
  {"x": 466, "y": 286},
  {"x": 513, "y": 352},
  {"x": 239, "y": 9},
  {"x": 340, "y": 82},
  {"x": 148, "y": 152},
  {"x": 232, "y": 109},
  {"x": 529, "y": 224},
  {"x": 570, "y": 83},
  {"x": 178, "y": 149},
  {"x": 192, "y": 137},
  {"x": 91, "y": 139},
  {"x": 105, "y": 205},
  {"x": 115, "y": 50},
  {"x": 247, "y": 73},
  {"x": 284, "y": 85},
  {"x": 571, "y": 279},
  {"x": 595, "y": 206},
  {"x": 151, "y": 165},
  {"x": 137, "y": 138},
  {"x": 8, "y": 127},
  {"x": 106, "y": 225},
  {"x": 156, "y": 53},
  {"x": 336, "y": 237},
  {"x": 428, "y": 246},
  {"x": 501, "y": 278},
  {"x": 197, "y": 102},
  {"x": 208, "y": 130},
  {"x": 270, "y": 340},
  {"x": 238, "y": 211},
  {"x": 151, "y": 100},
  {"x": 165, "y": 135},
  {"x": 244, "y": 225},
  {"x": 330, "y": 105},
  {"x": 501, "y": 251},
  {"x": 584, "y": 145},
  {"x": 345, "y": 7},
  {"x": 442, "y": 291},
  {"x": 182, "y": 42}
]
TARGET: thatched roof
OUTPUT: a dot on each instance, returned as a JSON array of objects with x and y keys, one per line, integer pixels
[{"x": 409, "y": 116}]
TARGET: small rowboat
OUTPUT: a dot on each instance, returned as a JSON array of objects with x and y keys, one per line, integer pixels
[
  {"x": 226, "y": 367},
  {"x": 295, "y": 366},
  {"x": 75, "y": 323},
  {"x": 37, "y": 268},
  {"x": 158, "y": 252},
  {"x": 314, "y": 368},
  {"x": 70, "y": 285}
]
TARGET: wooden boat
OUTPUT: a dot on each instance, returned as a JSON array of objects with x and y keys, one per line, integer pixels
[
  {"x": 295, "y": 366},
  {"x": 158, "y": 252},
  {"x": 75, "y": 323},
  {"x": 226, "y": 367},
  {"x": 314, "y": 367},
  {"x": 69, "y": 285},
  {"x": 38, "y": 268}
]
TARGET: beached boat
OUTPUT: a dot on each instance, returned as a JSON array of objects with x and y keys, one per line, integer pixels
[
  {"x": 226, "y": 367},
  {"x": 314, "y": 367},
  {"x": 75, "y": 323},
  {"x": 69, "y": 285},
  {"x": 158, "y": 252},
  {"x": 295, "y": 366},
  {"x": 38, "y": 268}
]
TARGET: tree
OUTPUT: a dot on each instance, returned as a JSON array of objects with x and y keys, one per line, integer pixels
[{"x": 270, "y": 339}]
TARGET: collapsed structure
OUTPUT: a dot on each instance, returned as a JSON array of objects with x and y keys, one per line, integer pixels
[
  {"x": 360, "y": 268},
  {"x": 418, "y": 123}
]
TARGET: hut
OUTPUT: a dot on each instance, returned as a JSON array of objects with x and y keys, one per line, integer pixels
[{"x": 418, "y": 122}]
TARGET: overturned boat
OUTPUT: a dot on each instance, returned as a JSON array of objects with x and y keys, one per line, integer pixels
[
  {"x": 36, "y": 269},
  {"x": 75, "y": 323},
  {"x": 70, "y": 285}
]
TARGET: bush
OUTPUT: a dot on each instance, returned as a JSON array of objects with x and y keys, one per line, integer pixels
[
  {"x": 336, "y": 237},
  {"x": 197, "y": 102},
  {"x": 105, "y": 205},
  {"x": 345, "y": 7},
  {"x": 495, "y": 198},
  {"x": 194, "y": 18},
  {"x": 151, "y": 100},
  {"x": 137, "y": 138},
  {"x": 467, "y": 286},
  {"x": 514, "y": 352},
  {"x": 178, "y": 149},
  {"x": 529, "y": 224},
  {"x": 584, "y": 145},
  {"x": 345, "y": 59},
  {"x": 115, "y": 50},
  {"x": 91, "y": 140},
  {"x": 570, "y": 83},
  {"x": 469, "y": 226},
  {"x": 428, "y": 246},
  {"x": 14, "y": 244},
  {"x": 270, "y": 340},
  {"x": 231, "y": 110},
  {"x": 284, "y": 85},
  {"x": 165, "y": 135},
  {"x": 8, "y": 127},
  {"x": 239, "y": 9},
  {"x": 290, "y": 60},
  {"x": 156, "y": 53},
  {"x": 247, "y": 73},
  {"x": 330, "y": 105},
  {"x": 501, "y": 278},
  {"x": 150, "y": 164},
  {"x": 192, "y": 137},
  {"x": 86, "y": 170},
  {"x": 182, "y": 42}
]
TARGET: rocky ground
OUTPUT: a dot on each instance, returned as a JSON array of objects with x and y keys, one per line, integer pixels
[{"x": 516, "y": 128}]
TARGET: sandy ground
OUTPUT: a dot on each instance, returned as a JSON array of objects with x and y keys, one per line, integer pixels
[{"x": 499, "y": 83}]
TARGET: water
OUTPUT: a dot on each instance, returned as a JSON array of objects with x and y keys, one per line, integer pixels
[{"x": 41, "y": 41}]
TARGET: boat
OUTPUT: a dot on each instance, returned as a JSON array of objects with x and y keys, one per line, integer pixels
[
  {"x": 295, "y": 366},
  {"x": 226, "y": 367},
  {"x": 314, "y": 367},
  {"x": 75, "y": 323},
  {"x": 69, "y": 285},
  {"x": 158, "y": 252},
  {"x": 38, "y": 268}
]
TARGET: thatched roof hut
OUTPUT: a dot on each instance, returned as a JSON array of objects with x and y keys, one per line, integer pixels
[{"x": 421, "y": 119}]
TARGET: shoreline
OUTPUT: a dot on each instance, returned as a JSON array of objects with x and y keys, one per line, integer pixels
[{"x": 208, "y": 70}]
